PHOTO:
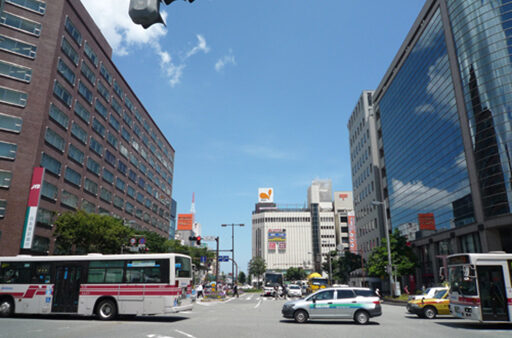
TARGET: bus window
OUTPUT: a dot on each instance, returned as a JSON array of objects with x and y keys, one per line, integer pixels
[
  {"x": 182, "y": 267},
  {"x": 41, "y": 273},
  {"x": 145, "y": 271},
  {"x": 15, "y": 273},
  {"x": 105, "y": 272}
]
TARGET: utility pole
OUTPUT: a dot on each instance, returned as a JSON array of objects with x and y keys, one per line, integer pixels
[
  {"x": 217, "y": 269},
  {"x": 233, "y": 249}
]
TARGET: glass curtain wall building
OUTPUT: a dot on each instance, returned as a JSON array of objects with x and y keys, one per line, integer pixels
[{"x": 444, "y": 111}]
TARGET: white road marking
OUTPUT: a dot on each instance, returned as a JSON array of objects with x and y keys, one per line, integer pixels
[
  {"x": 259, "y": 303},
  {"x": 185, "y": 334},
  {"x": 229, "y": 300},
  {"x": 157, "y": 336}
]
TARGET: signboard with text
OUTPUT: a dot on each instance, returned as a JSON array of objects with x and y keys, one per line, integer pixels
[
  {"x": 352, "y": 242},
  {"x": 427, "y": 221},
  {"x": 33, "y": 204}
]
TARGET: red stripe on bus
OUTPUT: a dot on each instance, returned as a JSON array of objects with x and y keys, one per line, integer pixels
[
  {"x": 30, "y": 293},
  {"x": 107, "y": 293}
]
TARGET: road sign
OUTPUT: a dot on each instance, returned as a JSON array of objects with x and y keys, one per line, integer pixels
[
  {"x": 203, "y": 259},
  {"x": 142, "y": 240},
  {"x": 208, "y": 238},
  {"x": 223, "y": 258},
  {"x": 133, "y": 241}
]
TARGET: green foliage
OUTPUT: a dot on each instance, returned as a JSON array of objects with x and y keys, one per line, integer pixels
[
  {"x": 241, "y": 278},
  {"x": 344, "y": 265},
  {"x": 293, "y": 274},
  {"x": 257, "y": 267},
  {"x": 402, "y": 257}
]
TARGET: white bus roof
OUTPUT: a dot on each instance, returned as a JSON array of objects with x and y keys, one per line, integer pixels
[
  {"x": 89, "y": 257},
  {"x": 479, "y": 257}
]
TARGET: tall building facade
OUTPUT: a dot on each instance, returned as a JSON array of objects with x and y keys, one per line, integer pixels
[
  {"x": 444, "y": 123},
  {"x": 366, "y": 175},
  {"x": 287, "y": 236},
  {"x": 65, "y": 107}
]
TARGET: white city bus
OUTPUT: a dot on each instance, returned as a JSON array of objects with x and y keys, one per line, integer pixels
[
  {"x": 480, "y": 286},
  {"x": 104, "y": 285}
]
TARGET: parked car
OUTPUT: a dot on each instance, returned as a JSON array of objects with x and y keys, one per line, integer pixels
[
  {"x": 431, "y": 307},
  {"x": 294, "y": 290},
  {"x": 429, "y": 293},
  {"x": 359, "y": 304}
]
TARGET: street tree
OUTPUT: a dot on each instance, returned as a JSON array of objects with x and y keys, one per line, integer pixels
[
  {"x": 344, "y": 265},
  {"x": 402, "y": 257},
  {"x": 294, "y": 273},
  {"x": 81, "y": 232},
  {"x": 242, "y": 278},
  {"x": 257, "y": 267}
]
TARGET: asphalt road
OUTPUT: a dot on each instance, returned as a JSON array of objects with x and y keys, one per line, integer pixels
[{"x": 248, "y": 316}]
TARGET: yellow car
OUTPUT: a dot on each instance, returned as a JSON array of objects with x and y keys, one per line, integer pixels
[{"x": 429, "y": 308}]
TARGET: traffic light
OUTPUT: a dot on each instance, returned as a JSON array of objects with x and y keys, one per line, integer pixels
[
  {"x": 147, "y": 12},
  {"x": 195, "y": 238}
]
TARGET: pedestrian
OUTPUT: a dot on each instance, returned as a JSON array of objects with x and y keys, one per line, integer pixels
[
  {"x": 235, "y": 290},
  {"x": 199, "y": 290},
  {"x": 377, "y": 291},
  {"x": 276, "y": 291},
  {"x": 285, "y": 292}
]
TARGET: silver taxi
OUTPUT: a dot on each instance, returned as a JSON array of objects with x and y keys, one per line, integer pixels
[{"x": 359, "y": 304}]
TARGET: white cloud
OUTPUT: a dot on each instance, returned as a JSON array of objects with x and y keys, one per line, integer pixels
[
  {"x": 225, "y": 60},
  {"x": 200, "y": 47},
  {"x": 124, "y": 36}
]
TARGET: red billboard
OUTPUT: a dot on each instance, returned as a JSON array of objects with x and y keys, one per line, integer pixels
[
  {"x": 427, "y": 221},
  {"x": 185, "y": 221}
]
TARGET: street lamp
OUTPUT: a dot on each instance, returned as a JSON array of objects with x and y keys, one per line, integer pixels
[
  {"x": 390, "y": 268},
  {"x": 233, "y": 249}
]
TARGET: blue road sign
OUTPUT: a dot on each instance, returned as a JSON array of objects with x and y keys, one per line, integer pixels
[
  {"x": 223, "y": 258},
  {"x": 203, "y": 259}
]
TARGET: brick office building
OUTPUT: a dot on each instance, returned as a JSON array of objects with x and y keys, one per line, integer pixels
[{"x": 64, "y": 106}]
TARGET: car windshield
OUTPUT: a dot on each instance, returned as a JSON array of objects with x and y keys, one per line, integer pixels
[
  {"x": 462, "y": 282},
  {"x": 427, "y": 291},
  {"x": 440, "y": 294}
]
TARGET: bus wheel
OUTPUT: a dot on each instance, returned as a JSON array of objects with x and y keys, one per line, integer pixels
[
  {"x": 430, "y": 312},
  {"x": 6, "y": 307},
  {"x": 106, "y": 309}
]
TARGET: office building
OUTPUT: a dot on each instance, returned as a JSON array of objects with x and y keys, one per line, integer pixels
[
  {"x": 365, "y": 165},
  {"x": 65, "y": 107},
  {"x": 443, "y": 117}
]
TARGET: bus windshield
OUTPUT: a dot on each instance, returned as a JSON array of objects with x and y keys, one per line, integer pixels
[
  {"x": 319, "y": 281},
  {"x": 464, "y": 285}
]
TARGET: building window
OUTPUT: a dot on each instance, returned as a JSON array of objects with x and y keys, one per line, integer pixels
[
  {"x": 118, "y": 90},
  {"x": 88, "y": 73},
  {"x": 108, "y": 176},
  {"x": 98, "y": 127},
  {"x": 121, "y": 167},
  {"x": 96, "y": 146},
  {"x": 62, "y": 94},
  {"x": 147, "y": 203},
  {"x": 89, "y": 52},
  {"x": 88, "y": 206},
  {"x": 32, "y": 5},
  {"x": 125, "y": 134},
  {"x": 14, "y": 97},
  {"x": 59, "y": 116},
  {"x": 112, "y": 140},
  {"x": 141, "y": 183},
  {"x": 79, "y": 133},
  {"x": 49, "y": 191},
  {"x": 140, "y": 198},
  {"x": 101, "y": 109},
  {"x": 21, "y": 24},
  {"x": 123, "y": 150},
  {"x": 5, "y": 179},
  {"x": 45, "y": 217},
  {"x": 128, "y": 119},
  {"x": 120, "y": 184},
  {"x": 91, "y": 186},
  {"x": 69, "y": 51},
  {"x": 85, "y": 92},
  {"x": 118, "y": 202},
  {"x": 10, "y": 123},
  {"x": 72, "y": 177},
  {"x": 50, "y": 164},
  {"x": 129, "y": 208},
  {"x": 81, "y": 112},
  {"x": 131, "y": 191},
  {"x": 41, "y": 244},
  {"x": 14, "y": 71},
  {"x": 105, "y": 73},
  {"x": 17, "y": 47},
  {"x": 54, "y": 139},
  {"x": 68, "y": 199},
  {"x": 93, "y": 166},
  {"x": 76, "y": 154},
  {"x": 103, "y": 91},
  {"x": 105, "y": 195},
  {"x": 73, "y": 31},
  {"x": 114, "y": 123},
  {"x": 132, "y": 176},
  {"x": 110, "y": 158}
]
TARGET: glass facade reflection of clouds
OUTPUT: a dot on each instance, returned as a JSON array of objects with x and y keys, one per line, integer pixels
[
  {"x": 482, "y": 33},
  {"x": 418, "y": 109}
]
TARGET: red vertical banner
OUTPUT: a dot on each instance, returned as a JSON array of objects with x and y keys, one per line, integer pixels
[{"x": 32, "y": 205}]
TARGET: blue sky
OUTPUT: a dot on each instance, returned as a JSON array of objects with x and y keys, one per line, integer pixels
[{"x": 255, "y": 94}]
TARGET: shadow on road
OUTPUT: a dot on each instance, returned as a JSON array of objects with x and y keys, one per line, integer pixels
[
  {"x": 161, "y": 319},
  {"x": 479, "y": 326},
  {"x": 327, "y": 322}
]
